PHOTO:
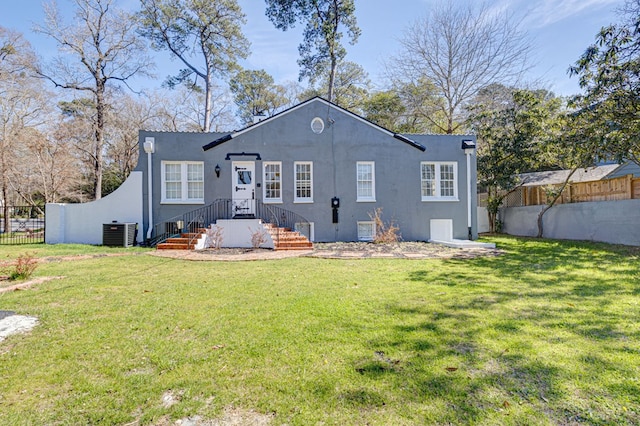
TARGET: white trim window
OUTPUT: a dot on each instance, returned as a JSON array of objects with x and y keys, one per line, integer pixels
[
  {"x": 439, "y": 181},
  {"x": 182, "y": 182},
  {"x": 272, "y": 182},
  {"x": 366, "y": 231},
  {"x": 366, "y": 181},
  {"x": 303, "y": 182}
]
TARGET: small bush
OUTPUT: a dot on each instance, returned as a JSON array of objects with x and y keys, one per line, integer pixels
[
  {"x": 214, "y": 237},
  {"x": 385, "y": 232},
  {"x": 25, "y": 265},
  {"x": 258, "y": 238}
]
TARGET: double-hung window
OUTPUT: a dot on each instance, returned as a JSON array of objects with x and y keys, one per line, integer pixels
[
  {"x": 366, "y": 181},
  {"x": 303, "y": 181},
  {"x": 439, "y": 181},
  {"x": 272, "y": 182},
  {"x": 182, "y": 182},
  {"x": 366, "y": 231}
]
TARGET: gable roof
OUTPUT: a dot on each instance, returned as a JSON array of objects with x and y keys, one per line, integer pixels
[
  {"x": 559, "y": 176},
  {"x": 232, "y": 135}
]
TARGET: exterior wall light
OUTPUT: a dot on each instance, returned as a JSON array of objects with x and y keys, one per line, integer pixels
[
  {"x": 468, "y": 146},
  {"x": 148, "y": 145},
  {"x": 217, "y": 170}
]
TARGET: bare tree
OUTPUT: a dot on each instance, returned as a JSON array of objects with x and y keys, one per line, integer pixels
[
  {"x": 51, "y": 174},
  {"x": 99, "y": 50},
  {"x": 127, "y": 116},
  {"x": 16, "y": 54},
  {"x": 460, "y": 50},
  {"x": 22, "y": 101},
  {"x": 205, "y": 35},
  {"x": 181, "y": 110}
]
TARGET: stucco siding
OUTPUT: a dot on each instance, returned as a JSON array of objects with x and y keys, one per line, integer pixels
[{"x": 334, "y": 153}]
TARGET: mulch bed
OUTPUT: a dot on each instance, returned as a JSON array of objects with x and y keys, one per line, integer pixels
[{"x": 338, "y": 250}]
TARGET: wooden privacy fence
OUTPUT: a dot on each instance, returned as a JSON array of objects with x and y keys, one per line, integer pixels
[{"x": 620, "y": 188}]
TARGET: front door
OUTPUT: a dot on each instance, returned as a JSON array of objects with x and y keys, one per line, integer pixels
[{"x": 243, "y": 188}]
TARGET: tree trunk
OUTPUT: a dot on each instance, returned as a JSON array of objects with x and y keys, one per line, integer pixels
[
  {"x": 540, "y": 222},
  {"x": 332, "y": 77},
  {"x": 5, "y": 208},
  {"x": 99, "y": 134},
  {"x": 492, "y": 221},
  {"x": 552, "y": 203},
  {"x": 207, "y": 102}
]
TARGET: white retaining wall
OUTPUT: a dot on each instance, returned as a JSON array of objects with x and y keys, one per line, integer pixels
[
  {"x": 238, "y": 232},
  {"x": 616, "y": 222},
  {"x": 82, "y": 223},
  {"x": 483, "y": 220}
]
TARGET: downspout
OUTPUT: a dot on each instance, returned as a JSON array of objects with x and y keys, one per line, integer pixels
[
  {"x": 468, "y": 154},
  {"x": 469, "y": 146},
  {"x": 149, "y": 148}
]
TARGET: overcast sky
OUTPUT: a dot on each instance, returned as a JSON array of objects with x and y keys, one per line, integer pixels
[{"x": 560, "y": 31}]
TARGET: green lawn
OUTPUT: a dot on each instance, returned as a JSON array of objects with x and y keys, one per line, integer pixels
[{"x": 545, "y": 334}]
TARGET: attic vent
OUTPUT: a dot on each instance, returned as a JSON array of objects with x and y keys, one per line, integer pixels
[{"x": 317, "y": 125}]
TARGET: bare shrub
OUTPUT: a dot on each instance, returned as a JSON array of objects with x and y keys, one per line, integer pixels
[
  {"x": 214, "y": 237},
  {"x": 25, "y": 265},
  {"x": 388, "y": 232},
  {"x": 258, "y": 237}
]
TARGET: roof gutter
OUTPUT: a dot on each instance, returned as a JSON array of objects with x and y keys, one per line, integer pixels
[
  {"x": 409, "y": 141},
  {"x": 217, "y": 142}
]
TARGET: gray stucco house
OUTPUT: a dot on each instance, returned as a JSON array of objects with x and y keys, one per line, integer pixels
[{"x": 315, "y": 167}]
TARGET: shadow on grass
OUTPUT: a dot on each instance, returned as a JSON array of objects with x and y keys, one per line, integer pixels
[
  {"x": 362, "y": 398},
  {"x": 494, "y": 332}
]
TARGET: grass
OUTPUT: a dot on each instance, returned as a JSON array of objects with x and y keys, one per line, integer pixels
[
  {"x": 10, "y": 252},
  {"x": 545, "y": 334}
]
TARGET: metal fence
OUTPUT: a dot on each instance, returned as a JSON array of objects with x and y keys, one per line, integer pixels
[{"x": 21, "y": 225}]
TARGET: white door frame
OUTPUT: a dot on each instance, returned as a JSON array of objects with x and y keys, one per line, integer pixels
[{"x": 243, "y": 188}]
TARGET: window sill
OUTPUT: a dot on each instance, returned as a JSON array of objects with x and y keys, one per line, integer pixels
[
  {"x": 303, "y": 201},
  {"x": 182, "y": 202},
  {"x": 366, "y": 200},
  {"x": 274, "y": 201},
  {"x": 440, "y": 199}
]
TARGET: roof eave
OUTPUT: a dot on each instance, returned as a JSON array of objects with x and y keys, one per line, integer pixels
[
  {"x": 409, "y": 141},
  {"x": 217, "y": 142}
]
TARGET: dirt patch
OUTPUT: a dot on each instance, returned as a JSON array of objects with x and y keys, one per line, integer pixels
[
  {"x": 171, "y": 398},
  {"x": 228, "y": 254},
  {"x": 51, "y": 259},
  {"x": 400, "y": 250},
  {"x": 6, "y": 286},
  {"x": 230, "y": 417}
]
